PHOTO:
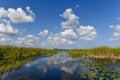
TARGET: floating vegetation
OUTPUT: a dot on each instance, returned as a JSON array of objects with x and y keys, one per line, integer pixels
[{"x": 100, "y": 72}]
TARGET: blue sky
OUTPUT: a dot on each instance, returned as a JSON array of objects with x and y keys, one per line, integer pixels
[{"x": 60, "y": 23}]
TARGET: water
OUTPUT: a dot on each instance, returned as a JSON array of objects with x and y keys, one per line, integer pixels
[{"x": 57, "y": 67}]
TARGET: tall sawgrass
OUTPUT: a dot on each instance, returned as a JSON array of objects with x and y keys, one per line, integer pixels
[
  {"x": 12, "y": 57},
  {"x": 16, "y": 52},
  {"x": 98, "y": 52}
]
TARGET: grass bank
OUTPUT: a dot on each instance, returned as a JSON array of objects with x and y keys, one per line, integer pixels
[
  {"x": 103, "y": 52},
  {"x": 12, "y": 57}
]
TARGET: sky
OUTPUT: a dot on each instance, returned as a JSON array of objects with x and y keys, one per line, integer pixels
[{"x": 60, "y": 23}]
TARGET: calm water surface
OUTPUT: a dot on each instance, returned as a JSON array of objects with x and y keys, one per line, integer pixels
[{"x": 57, "y": 67}]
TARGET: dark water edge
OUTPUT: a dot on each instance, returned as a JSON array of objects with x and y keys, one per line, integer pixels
[{"x": 57, "y": 67}]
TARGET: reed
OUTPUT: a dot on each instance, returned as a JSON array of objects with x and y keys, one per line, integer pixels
[
  {"x": 98, "y": 52},
  {"x": 16, "y": 52},
  {"x": 12, "y": 57}
]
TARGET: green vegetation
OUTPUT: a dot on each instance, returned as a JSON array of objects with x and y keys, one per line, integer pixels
[
  {"x": 18, "y": 52},
  {"x": 12, "y": 57},
  {"x": 10, "y": 64},
  {"x": 98, "y": 52},
  {"x": 99, "y": 72}
]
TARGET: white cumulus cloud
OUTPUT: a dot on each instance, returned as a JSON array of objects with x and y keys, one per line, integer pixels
[
  {"x": 10, "y": 16},
  {"x": 69, "y": 34},
  {"x": 6, "y": 29},
  {"x": 87, "y": 32},
  {"x": 20, "y": 16},
  {"x": 44, "y": 33},
  {"x": 72, "y": 19},
  {"x": 56, "y": 39},
  {"x": 17, "y": 15},
  {"x": 5, "y": 40},
  {"x": 3, "y": 12},
  {"x": 116, "y": 33},
  {"x": 28, "y": 40}
]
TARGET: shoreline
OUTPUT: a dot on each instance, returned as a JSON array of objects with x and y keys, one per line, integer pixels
[{"x": 98, "y": 53}]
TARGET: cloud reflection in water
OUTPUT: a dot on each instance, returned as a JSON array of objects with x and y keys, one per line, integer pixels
[{"x": 58, "y": 66}]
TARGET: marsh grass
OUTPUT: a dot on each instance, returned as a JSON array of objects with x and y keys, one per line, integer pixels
[
  {"x": 12, "y": 57},
  {"x": 17, "y": 52},
  {"x": 98, "y": 52},
  {"x": 10, "y": 64}
]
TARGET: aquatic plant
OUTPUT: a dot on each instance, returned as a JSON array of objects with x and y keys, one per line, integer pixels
[{"x": 100, "y": 72}]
